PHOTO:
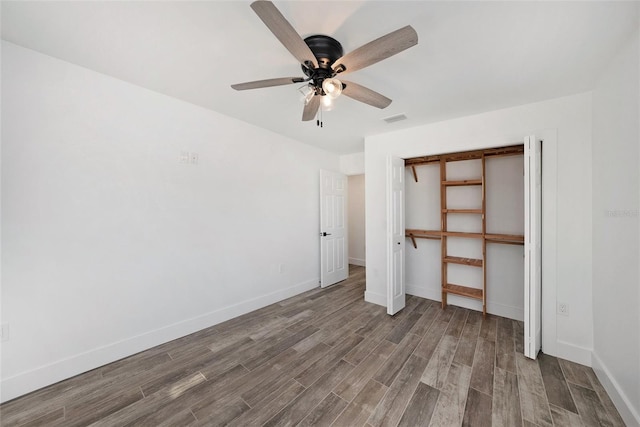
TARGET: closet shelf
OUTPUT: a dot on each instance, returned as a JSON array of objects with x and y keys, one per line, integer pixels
[
  {"x": 463, "y": 291},
  {"x": 461, "y": 234},
  {"x": 463, "y": 261},
  {"x": 467, "y": 155},
  {"x": 421, "y": 234},
  {"x": 462, "y": 182},
  {"x": 462, "y": 211},
  {"x": 509, "y": 239}
]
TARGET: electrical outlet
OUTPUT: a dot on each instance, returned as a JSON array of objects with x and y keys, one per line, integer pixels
[
  {"x": 4, "y": 332},
  {"x": 563, "y": 308},
  {"x": 194, "y": 158}
]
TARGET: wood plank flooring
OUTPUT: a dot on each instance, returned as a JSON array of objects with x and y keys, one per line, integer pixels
[{"x": 325, "y": 358}]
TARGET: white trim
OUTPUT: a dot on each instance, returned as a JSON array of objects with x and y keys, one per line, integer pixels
[
  {"x": 549, "y": 240},
  {"x": 629, "y": 414},
  {"x": 498, "y": 309},
  {"x": 357, "y": 261},
  {"x": 375, "y": 298},
  {"x": 574, "y": 353},
  {"x": 422, "y": 292},
  {"x": 25, "y": 382}
]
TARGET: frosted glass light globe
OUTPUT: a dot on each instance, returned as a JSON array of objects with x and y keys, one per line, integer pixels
[{"x": 332, "y": 87}]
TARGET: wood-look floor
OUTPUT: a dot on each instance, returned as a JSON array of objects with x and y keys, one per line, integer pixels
[{"x": 326, "y": 357}]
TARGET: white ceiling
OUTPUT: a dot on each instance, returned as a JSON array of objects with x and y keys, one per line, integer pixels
[{"x": 471, "y": 56}]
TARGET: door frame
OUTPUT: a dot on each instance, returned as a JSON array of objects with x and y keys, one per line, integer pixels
[
  {"x": 532, "y": 246},
  {"x": 549, "y": 238},
  {"x": 549, "y": 229}
]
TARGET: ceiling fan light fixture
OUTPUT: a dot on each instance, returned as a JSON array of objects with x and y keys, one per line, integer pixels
[
  {"x": 307, "y": 92},
  {"x": 332, "y": 87},
  {"x": 308, "y": 97},
  {"x": 327, "y": 103}
]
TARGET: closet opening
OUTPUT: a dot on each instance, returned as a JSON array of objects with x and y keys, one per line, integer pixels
[
  {"x": 464, "y": 219},
  {"x": 465, "y": 229}
]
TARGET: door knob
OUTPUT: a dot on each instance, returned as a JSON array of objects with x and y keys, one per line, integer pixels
[{"x": 324, "y": 234}]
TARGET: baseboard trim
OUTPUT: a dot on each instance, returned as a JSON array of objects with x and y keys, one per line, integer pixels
[
  {"x": 574, "y": 353},
  {"x": 498, "y": 309},
  {"x": 357, "y": 261},
  {"x": 422, "y": 292},
  {"x": 26, "y": 382},
  {"x": 375, "y": 298},
  {"x": 629, "y": 414},
  {"x": 563, "y": 349}
]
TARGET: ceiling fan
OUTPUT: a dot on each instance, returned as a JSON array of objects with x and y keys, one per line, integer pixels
[{"x": 322, "y": 59}]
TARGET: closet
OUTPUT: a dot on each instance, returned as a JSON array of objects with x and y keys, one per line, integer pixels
[{"x": 459, "y": 185}]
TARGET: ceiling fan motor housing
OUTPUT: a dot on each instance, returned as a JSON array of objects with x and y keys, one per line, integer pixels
[{"x": 327, "y": 50}]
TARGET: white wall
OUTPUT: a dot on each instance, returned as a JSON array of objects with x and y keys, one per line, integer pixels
[
  {"x": 356, "y": 220},
  {"x": 111, "y": 245},
  {"x": 352, "y": 164},
  {"x": 616, "y": 242},
  {"x": 566, "y": 203},
  {"x": 505, "y": 214}
]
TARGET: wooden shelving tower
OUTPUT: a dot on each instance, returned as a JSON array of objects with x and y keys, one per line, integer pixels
[
  {"x": 444, "y": 233},
  {"x": 451, "y": 288}
]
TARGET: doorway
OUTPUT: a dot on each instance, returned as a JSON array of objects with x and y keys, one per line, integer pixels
[{"x": 356, "y": 215}]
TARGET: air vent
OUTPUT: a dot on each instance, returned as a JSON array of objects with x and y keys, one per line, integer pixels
[{"x": 396, "y": 118}]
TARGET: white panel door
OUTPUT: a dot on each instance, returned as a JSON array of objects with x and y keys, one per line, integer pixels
[
  {"x": 334, "y": 257},
  {"x": 532, "y": 246},
  {"x": 395, "y": 235}
]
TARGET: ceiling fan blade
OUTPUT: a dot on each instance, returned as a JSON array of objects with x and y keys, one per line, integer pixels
[
  {"x": 366, "y": 95},
  {"x": 377, "y": 50},
  {"x": 267, "y": 83},
  {"x": 284, "y": 31},
  {"x": 311, "y": 108}
]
